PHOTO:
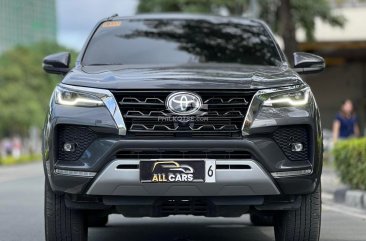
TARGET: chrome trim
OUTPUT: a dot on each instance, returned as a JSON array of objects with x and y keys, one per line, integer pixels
[
  {"x": 111, "y": 104},
  {"x": 109, "y": 101},
  {"x": 253, "y": 109},
  {"x": 136, "y": 114},
  {"x": 215, "y": 100},
  {"x": 224, "y": 128},
  {"x": 74, "y": 173},
  {"x": 115, "y": 181},
  {"x": 292, "y": 173},
  {"x": 230, "y": 101},
  {"x": 167, "y": 128},
  {"x": 138, "y": 101}
]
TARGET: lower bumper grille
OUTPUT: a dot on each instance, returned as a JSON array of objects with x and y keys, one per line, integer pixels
[
  {"x": 148, "y": 154},
  {"x": 198, "y": 207}
]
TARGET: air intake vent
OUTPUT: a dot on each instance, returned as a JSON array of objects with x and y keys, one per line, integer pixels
[
  {"x": 141, "y": 155},
  {"x": 285, "y": 136},
  {"x": 197, "y": 207},
  {"x": 81, "y": 137}
]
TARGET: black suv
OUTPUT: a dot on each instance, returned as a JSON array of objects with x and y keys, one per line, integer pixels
[{"x": 182, "y": 115}]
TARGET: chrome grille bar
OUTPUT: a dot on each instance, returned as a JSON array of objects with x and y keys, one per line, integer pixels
[{"x": 223, "y": 115}]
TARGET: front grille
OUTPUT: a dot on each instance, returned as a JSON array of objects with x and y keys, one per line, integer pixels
[
  {"x": 150, "y": 154},
  {"x": 284, "y": 136},
  {"x": 145, "y": 114},
  {"x": 81, "y": 136},
  {"x": 191, "y": 206}
]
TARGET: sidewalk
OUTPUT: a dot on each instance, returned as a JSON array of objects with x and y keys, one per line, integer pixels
[
  {"x": 331, "y": 181},
  {"x": 341, "y": 193}
]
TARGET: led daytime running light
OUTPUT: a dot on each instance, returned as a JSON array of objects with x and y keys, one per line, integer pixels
[{"x": 287, "y": 100}]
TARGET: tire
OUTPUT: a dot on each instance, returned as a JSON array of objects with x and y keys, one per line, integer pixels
[
  {"x": 97, "y": 221},
  {"x": 62, "y": 223},
  {"x": 302, "y": 224},
  {"x": 260, "y": 219}
]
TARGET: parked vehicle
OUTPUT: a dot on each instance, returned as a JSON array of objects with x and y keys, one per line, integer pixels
[{"x": 182, "y": 114}]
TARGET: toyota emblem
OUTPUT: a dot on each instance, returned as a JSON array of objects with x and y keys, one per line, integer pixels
[{"x": 183, "y": 103}]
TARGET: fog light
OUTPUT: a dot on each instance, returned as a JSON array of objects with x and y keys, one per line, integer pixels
[
  {"x": 69, "y": 147},
  {"x": 297, "y": 147}
]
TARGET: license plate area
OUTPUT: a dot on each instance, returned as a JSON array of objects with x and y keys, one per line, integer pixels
[{"x": 177, "y": 171}]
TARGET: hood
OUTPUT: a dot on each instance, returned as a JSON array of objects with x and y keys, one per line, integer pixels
[{"x": 183, "y": 77}]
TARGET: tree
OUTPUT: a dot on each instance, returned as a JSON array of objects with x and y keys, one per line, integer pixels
[
  {"x": 292, "y": 14},
  {"x": 284, "y": 16},
  {"x": 25, "y": 88},
  {"x": 236, "y": 7}
]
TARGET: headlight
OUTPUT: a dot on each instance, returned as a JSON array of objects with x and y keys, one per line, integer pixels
[
  {"x": 270, "y": 106},
  {"x": 65, "y": 96},
  {"x": 90, "y": 97},
  {"x": 293, "y": 98}
]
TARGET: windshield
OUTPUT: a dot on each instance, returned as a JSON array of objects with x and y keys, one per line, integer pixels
[{"x": 157, "y": 41}]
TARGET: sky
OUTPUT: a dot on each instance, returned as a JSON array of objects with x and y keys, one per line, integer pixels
[{"x": 76, "y": 19}]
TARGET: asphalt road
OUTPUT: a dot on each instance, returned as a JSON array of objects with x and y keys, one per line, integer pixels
[{"x": 21, "y": 218}]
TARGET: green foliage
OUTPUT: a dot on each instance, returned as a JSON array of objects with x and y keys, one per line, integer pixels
[
  {"x": 25, "y": 88},
  {"x": 6, "y": 161},
  {"x": 350, "y": 161},
  {"x": 235, "y": 7},
  {"x": 190, "y": 6},
  {"x": 304, "y": 11}
]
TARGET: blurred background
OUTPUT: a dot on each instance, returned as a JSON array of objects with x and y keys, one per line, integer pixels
[{"x": 32, "y": 29}]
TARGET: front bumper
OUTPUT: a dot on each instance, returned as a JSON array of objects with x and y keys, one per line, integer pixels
[{"x": 267, "y": 159}]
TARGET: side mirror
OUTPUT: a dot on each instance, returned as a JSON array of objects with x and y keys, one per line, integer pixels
[
  {"x": 305, "y": 63},
  {"x": 57, "y": 63}
]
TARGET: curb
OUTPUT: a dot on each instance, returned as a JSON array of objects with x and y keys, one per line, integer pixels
[{"x": 351, "y": 198}]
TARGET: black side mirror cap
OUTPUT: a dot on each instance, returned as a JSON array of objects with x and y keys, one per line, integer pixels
[
  {"x": 306, "y": 63},
  {"x": 57, "y": 63}
]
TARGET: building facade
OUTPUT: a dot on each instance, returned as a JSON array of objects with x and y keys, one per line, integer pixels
[
  {"x": 344, "y": 50},
  {"x": 23, "y": 22}
]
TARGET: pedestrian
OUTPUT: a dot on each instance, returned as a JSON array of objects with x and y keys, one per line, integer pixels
[
  {"x": 17, "y": 146},
  {"x": 346, "y": 124},
  {"x": 8, "y": 147}
]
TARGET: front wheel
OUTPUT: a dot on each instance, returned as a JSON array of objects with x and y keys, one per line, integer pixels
[
  {"x": 302, "y": 224},
  {"x": 62, "y": 223}
]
